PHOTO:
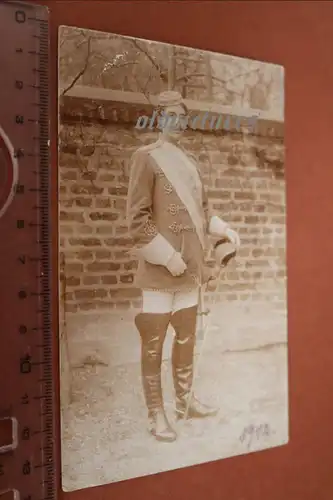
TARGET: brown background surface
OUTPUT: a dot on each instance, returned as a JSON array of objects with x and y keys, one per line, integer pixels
[{"x": 299, "y": 36}]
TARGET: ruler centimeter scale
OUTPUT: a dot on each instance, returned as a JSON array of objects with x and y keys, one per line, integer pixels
[{"x": 27, "y": 408}]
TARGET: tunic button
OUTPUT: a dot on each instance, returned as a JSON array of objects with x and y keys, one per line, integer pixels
[
  {"x": 175, "y": 228},
  {"x": 168, "y": 188},
  {"x": 173, "y": 209}
]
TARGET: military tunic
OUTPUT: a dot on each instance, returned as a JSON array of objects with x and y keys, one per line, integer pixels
[{"x": 154, "y": 207}]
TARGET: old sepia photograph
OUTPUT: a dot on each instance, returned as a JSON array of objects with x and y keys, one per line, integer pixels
[{"x": 172, "y": 257}]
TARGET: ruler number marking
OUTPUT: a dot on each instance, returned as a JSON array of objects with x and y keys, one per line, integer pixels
[
  {"x": 25, "y": 364},
  {"x": 26, "y": 433},
  {"x": 19, "y": 153},
  {"x": 19, "y": 188},
  {"x": 23, "y": 329},
  {"x": 20, "y": 16},
  {"x": 22, "y": 259},
  {"x": 19, "y": 119},
  {"x": 26, "y": 468},
  {"x": 25, "y": 399}
]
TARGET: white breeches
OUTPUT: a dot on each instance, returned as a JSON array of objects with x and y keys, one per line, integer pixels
[{"x": 158, "y": 302}]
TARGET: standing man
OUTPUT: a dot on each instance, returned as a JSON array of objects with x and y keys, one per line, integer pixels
[{"x": 167, "y": 213}]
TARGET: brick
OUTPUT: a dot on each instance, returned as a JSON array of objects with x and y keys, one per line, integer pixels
[
  {"x": 84, "y": 229},
  {"x": 273, "y": 198},
  {"x": 124, "y": 304},
  {"x": 103, "y": 216},
  {"x": 84, "y": 255},
  {"x": 262, "y": 174},
  {"x": 68, "y": 296},
  {"x": 127, "y": 278},
  {"x": 122, "y": 230},
  {"x": 103, "y": 254},
  {"x": 72, "y": 281},
  {"x": 104, "y": 203},
  {"x": 123, "y": 179},
  {"x": 255, "y": 219},
  {"x": 131, "y": 265},
  {"x": 259, "y": 208},
  {"x": 67, "y": 161},
  {"x": 220, "y": 195},
  {"x": 70, "y": 308},
  {"x": 90, "y": 294},
  {"x": 268, "y": 230},
  {"x": 102, "y": 267},
  {"x": 108, "y": 230},
  {"x": 87, "y": 306},
  {"x": 245, "y": 195},
  {"x": 105, "y": 305},
  {"x": 83, "y": 202},
  {"x": 251, "y": 219},
  {"x": 107, "y": 178},
  {"x": 91, "y": 280},
  {"x": 120, "y": 204},
  {"x": 67, "y": 203},
  {"x": 231, "y": 296},
  {"x": 88, "y": 176},
  {"x": 88, "y": 189},
  {"x": 258, "y": 252},
  {"x": 66, "y": 229},
  {"x": 71, "y": 216},
  {"x": 85, "y": 242},
  {"x": 73, "y": 268},
  {"x": 118, "y": 242},
  {"x": 232, "y": 160},
  {"x": 243, "y": 252},
  {"x": 234, "y": 219},
  {"x": 125, "y": 293},
  {"x": 69, "y": 175},
  {"x": 278, "y": 219},
  {"x": 244, "y": 207},
  {"x": 232, "y": 275},
  {"x": 109, "y": 280},
  {"x": 257, "y": 263},
  {"x": 118, "y": 191},
  {"x": 62, "y": 189},
  {"x": 271, "y": 252}
]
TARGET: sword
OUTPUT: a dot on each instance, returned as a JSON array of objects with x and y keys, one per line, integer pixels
[{"x": 204, "y": 330}]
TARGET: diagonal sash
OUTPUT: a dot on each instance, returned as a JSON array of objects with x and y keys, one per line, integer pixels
[{"x": 179, "y": 170}]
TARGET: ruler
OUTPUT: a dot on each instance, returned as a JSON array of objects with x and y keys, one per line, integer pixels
[{"x": 27, "y": 406}]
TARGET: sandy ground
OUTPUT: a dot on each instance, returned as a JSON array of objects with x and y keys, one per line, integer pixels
[{"x": 242, "y": 369}]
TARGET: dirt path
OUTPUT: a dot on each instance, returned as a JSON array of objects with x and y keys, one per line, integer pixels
[{"x": 243, "y": 370}]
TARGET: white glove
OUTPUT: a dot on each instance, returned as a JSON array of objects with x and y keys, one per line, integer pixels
[
  {"x": 176, "y": 266},
  {"x": 232, "y": 236}
]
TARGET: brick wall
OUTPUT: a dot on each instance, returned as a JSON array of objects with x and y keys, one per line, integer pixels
[{"x": 244, "y": 176}]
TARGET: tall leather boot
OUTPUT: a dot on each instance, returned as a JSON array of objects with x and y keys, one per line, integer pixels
[
  {"x": 152, "y": 329},
  {"x": 187, "y": 406}
]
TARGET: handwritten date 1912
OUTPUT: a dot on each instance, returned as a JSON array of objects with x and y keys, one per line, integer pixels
[{"x": 253, "y": 433}]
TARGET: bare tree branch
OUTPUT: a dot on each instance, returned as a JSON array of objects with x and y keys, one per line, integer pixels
[
  {"x": 146, "y": 53},
  {"x": 83, "y": 70},
  {"x": 143, "y": 89}
]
